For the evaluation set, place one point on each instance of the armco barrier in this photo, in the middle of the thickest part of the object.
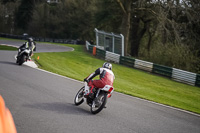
(112, 57)
(100, 53)
(176, 74)
(184, 76)
(198, 80)
(162, 70)
(143, 65)
(90, 48)
(127, 61)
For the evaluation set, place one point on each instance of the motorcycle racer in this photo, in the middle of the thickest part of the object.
(30, 44)
(106, 78)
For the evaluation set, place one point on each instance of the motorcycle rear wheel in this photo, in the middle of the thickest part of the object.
(99, 103)
(79, 99)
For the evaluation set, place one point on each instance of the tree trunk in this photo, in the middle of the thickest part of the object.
(149, 42)
(136, 35)
(125, 25)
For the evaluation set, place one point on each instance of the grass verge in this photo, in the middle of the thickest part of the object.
(3, 47)
(78, 64)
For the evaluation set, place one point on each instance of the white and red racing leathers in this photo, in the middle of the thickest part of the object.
(106, 78)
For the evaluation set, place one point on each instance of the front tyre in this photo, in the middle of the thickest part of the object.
(17, 60)
(22, 59)
(99, 103)
(79, 99)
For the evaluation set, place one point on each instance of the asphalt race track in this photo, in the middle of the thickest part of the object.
(42, 102)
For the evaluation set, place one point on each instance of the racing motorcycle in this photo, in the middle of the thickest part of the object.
(97, 100)
(23, 55)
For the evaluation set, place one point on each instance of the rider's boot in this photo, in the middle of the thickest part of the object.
(91, 94)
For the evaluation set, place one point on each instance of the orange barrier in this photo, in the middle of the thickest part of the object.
(94, 50)
(7, 124)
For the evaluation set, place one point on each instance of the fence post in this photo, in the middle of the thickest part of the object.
(122, 44)
(97, 36)
(113, 43)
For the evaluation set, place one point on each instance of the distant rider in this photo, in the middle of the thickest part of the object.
(30, 44)
(106, 78)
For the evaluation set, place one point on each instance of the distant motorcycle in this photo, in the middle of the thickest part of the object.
(98, 101)
(23, 55)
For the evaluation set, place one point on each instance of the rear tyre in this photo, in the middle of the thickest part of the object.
(79, 99)
(22, 59)
(99, 103)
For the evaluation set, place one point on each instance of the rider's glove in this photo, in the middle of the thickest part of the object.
(86, 80)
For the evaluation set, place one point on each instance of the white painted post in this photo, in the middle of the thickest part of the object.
(113, 43)
(97, 36)
(122, 44)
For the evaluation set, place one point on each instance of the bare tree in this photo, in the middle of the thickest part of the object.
(126, 20)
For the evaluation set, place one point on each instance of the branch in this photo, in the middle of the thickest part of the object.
(163, 21)
(121, 5)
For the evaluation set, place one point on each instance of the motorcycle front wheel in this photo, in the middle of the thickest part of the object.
(22, 59)
(79, 99)
(99, 103)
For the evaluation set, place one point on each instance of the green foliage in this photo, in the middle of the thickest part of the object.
(7, 1)
(177, 56)
(7, 9)
(107, 17)
(67, 19)
(168, 36)
(24, 14)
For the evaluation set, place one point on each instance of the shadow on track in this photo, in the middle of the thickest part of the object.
(61, 108)
(9, 63)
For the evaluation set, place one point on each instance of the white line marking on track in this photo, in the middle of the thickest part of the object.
(127, 95)
(10, 45)
(167, 106)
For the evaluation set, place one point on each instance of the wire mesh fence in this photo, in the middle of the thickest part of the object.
(110, 42)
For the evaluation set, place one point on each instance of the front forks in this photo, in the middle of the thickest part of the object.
(98, 91)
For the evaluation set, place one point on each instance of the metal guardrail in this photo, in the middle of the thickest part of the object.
(184, 76)
(176, 74)
(162, 70)
(143, 65)
(197, 83)
(127, 61)
(100, 53)
(90, 48)
(112, 57)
